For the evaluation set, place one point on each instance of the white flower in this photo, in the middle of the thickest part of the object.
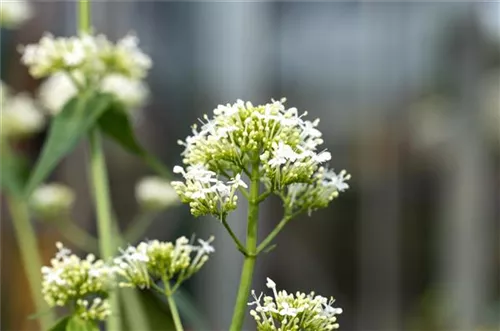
(20, 116)
(70, 279)
(132, 92)
(299, 311)
(155, 193)
(139, 265)
(52, 200)
(94, 55)
(56, 91)
(205, 193)
(14, 13)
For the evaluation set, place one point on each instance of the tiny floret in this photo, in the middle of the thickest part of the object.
(299, 311)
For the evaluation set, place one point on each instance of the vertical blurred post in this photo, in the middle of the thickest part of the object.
(466, 237)
(232, 59)
(378, 172)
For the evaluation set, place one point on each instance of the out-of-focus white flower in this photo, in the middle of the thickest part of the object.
(55, 92)
(132, 92)
(155, 193)
(153, 260)
(20, 116)
(15, 12)
(59, 88)
(71, 280)
(52, 200)
(93, 55)
(299, 311)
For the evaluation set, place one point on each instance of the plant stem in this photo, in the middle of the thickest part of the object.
(172, 305)
(84, 15)
(237, 242)
(104, 217)
(26, 238)
(249, 262)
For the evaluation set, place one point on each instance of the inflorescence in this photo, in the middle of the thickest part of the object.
(299, 311)
(279, 141)
(142, 265)
(88, 62)
(83, 283)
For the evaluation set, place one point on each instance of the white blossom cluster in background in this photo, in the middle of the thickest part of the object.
(288, 311)
(239, 136)
(155, 193)
(88, 62)
(20, 114)
(14, 13)
(140, 265)
(52, 200)
(82, 283)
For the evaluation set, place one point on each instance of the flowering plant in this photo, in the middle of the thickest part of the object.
(244, 151)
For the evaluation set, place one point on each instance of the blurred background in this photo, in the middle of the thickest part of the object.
(409, 99)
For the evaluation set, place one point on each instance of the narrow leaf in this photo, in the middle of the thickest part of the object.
(77, 117)
(116, 124)
(13, 174)
(61, 325)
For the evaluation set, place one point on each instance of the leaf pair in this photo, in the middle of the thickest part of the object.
(81, 114)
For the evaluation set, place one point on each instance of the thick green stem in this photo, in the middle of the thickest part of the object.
(84, 16)
(104, 216)
(173, 307)
(26, 238)
(240, 308)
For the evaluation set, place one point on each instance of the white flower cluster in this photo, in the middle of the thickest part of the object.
(14, 13)
(52, 200)
(59, 88)
(88, 61)
(286, 311)
(20, 115)
(325, 187)
(82, 283)
(206, 194)
(140, 265)
(278, 140)
(155, 194)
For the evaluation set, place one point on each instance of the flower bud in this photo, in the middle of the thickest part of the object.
(155, 194)
(52, 201)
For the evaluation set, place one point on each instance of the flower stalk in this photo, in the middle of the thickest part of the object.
(251, 250)
(171, 304)
(26, 239)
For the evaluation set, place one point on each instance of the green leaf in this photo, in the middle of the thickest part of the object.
(78, 324)
(61, 325)
(77, 117)
(116, 124)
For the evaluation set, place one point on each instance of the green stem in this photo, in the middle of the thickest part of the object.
(171, 304)
(237, 242)
(240, 308)
(84, 16)
(104, 217)
(284, 221)
(26, 238)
